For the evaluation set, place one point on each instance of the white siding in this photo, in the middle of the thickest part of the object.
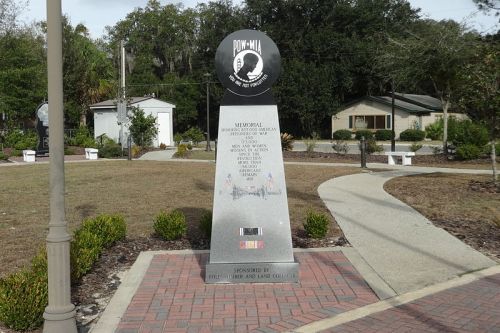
(105, 122)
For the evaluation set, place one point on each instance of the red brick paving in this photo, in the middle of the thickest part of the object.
(174, 298)
(474, 307)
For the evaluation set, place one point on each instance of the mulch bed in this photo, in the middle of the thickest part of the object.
(419, 160)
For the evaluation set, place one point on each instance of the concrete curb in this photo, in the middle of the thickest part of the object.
(395, 301)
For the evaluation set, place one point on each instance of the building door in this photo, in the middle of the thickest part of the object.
(164, 135)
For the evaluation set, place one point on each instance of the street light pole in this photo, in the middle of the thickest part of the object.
(59, 314)
(207, 75)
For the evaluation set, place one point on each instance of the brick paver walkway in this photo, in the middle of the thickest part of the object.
(474, 307)
(174, 298)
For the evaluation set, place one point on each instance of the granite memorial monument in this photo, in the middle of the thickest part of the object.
(251, 237)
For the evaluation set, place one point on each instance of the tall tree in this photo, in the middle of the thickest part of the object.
(88, 73)
(429, 60)
(479, 96)
(9, 12)
(22, 74)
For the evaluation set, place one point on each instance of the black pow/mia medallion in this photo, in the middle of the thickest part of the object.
(247, 63)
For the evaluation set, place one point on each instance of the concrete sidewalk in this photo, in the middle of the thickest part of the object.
(401, 245)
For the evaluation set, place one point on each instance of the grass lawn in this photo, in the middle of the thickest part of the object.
(138, 190)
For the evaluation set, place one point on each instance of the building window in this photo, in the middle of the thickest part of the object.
(368, 122)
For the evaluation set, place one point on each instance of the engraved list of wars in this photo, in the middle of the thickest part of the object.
(251, 238)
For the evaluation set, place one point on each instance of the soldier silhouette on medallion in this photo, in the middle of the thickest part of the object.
(250, 61)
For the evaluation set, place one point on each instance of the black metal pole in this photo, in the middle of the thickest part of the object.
(362, 145)
(393, 136)
(207, 75)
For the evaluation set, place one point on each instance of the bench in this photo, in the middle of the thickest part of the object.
(29, 155)
(405, 157)
(91, 153)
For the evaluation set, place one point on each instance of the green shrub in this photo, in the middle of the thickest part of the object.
(414, 147)
(3, 156)
(366, 133)
(466, 132)
(468, 152)
(83, 138)
(142, 128)
(412, 135)
(189, 146)
(181, 151)
(372, 146)
(170, 226)
(342, 134)
(177, 138)
(206, 224)
(24, 296)
(383, 134)
(434, 131)
(110, 228)
(316, 225)
(194, 134)
(310, 144)
(110, 150)
(16, 153)
(90, 240)
(286, 142)
(86, 248)
(21, 140)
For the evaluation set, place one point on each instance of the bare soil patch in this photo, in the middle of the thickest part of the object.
(467, 206)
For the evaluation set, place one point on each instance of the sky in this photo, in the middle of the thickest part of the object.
(97, 14)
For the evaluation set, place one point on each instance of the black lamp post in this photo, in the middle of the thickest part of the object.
(207, 75)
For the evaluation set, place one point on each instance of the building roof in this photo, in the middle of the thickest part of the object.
(111, 103)
(406, 102)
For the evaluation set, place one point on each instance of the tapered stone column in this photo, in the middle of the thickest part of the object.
(59, 315)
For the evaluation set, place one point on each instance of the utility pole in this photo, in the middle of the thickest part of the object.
(59, 314)
(122, 104)
(207, 75)
(393, 136)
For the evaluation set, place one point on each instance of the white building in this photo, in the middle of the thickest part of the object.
(375, 112)
(106, 120)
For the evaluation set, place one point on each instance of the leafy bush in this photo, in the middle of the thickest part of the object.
(24, 296)
(194, 134)
(86, 247)
(15, 152)
(286, 142)
(206, 224)
(110, 228)
(412, 135)
(135, 151)
(434, 131)
(181, 151)
(383, 134)
(142, 128)
(3, 156)
(436, 150)
(83, 138)
(372, 146)
(310, 144)
(468, 151)
(414, 147)
(110, 150)
(177, 138)
(170, 226)
(189, 146)
(342, 134)
(316, 225)
(21, 140)
(92, 238)
(340, 147)
(366, 133)
(466, 132)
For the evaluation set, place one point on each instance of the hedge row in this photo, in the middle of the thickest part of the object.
(24, 294)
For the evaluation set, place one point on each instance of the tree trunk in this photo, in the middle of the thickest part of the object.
(494, 161)
(83, 119)
(446, 105)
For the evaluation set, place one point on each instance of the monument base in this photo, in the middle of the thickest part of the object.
(259, 272)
